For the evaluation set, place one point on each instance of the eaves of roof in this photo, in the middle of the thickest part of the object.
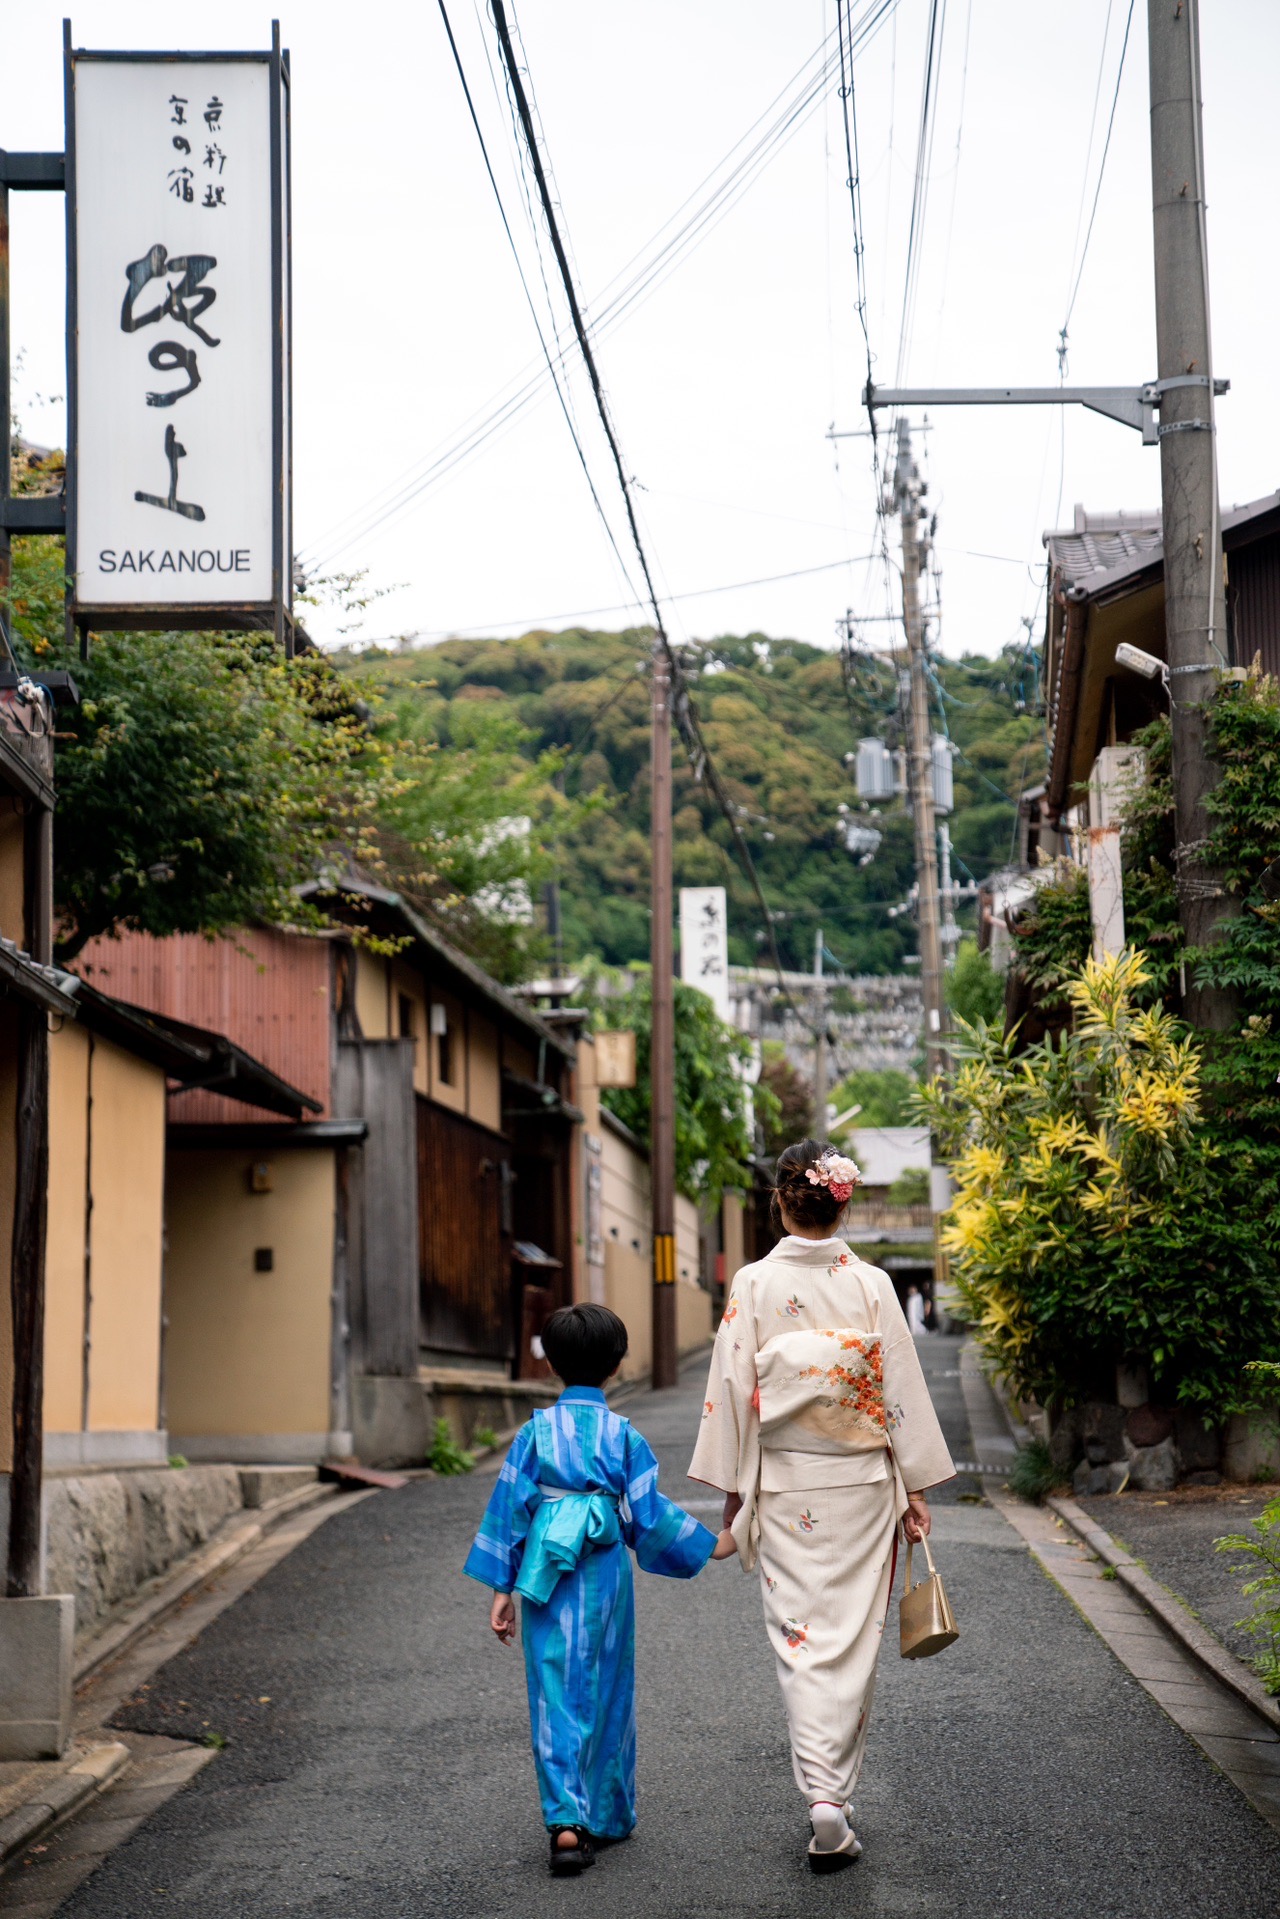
(1075, 557)
(397, 908)
(188, 1054)
(44, 986)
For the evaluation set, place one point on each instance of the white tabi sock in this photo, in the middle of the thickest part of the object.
(830, 1826)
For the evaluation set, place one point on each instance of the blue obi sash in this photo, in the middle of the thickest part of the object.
(566, 1526)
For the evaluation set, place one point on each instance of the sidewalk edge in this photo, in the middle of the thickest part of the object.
(61, 1796)
(220, 1552)
(1174, 1617)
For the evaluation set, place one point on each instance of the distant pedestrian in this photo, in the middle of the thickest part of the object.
(916, 1324)
(556, 1531)
(819, 1430)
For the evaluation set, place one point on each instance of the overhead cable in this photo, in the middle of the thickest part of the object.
(807, 91)
(683, 710)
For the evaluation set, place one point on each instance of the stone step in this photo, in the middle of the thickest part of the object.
(263, 1485)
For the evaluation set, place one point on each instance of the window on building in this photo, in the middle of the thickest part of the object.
(444, 1044)
(408, 1024)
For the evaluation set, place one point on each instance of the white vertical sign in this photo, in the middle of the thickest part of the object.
(704, 944)
(179, 358)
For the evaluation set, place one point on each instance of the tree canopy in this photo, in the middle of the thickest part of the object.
(779, 717)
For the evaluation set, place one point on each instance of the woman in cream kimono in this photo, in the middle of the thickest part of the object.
(818, 1428)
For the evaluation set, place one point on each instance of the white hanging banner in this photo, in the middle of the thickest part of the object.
(177, 198)
(704, 944)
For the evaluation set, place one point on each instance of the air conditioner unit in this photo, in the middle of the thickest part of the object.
(944, 798)
(874, 771)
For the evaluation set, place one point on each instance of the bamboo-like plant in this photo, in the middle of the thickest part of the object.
(1096, 1219)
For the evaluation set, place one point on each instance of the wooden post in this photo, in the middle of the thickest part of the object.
(662, 1056)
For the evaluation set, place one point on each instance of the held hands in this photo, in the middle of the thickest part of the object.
(502, 1617)
(917, 1521)
(726, 1545)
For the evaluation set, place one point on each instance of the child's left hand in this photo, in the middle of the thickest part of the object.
(726, 1546)
(502, 1617)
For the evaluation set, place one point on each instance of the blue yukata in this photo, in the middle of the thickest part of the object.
(578, 1487)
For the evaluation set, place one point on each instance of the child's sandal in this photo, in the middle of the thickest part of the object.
(568, 1861)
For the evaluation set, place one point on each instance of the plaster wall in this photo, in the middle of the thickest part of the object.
(249, 1352)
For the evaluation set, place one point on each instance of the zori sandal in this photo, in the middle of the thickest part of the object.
(568, 1861)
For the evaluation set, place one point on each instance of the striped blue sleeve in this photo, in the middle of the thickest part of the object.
(495, 1555)
(666, 1539)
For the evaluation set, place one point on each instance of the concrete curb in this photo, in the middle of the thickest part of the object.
(66, 1788)
(1173, 1616)
(234, 1540)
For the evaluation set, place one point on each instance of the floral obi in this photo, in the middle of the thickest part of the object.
(822, 1392)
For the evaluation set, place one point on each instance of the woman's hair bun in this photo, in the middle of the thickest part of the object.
(807, 1204)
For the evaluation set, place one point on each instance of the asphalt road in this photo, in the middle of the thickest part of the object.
(377, 1764)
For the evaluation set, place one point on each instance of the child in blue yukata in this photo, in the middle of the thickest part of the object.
(578, 1487)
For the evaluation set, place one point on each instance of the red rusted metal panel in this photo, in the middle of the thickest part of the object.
(268, 991)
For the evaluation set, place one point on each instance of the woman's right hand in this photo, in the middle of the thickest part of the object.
(732, 1507)
(917, 1521)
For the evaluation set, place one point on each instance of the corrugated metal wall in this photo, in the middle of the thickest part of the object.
(269, 992)
(1253, 575)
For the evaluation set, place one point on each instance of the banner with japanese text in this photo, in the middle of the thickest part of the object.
(177, 198)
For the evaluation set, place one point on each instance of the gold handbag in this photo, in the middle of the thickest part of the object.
(925, 1620)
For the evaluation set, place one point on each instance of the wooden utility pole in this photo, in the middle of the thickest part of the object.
(662, 1045)
(819, 1043)
(1194, 601)
(907, 490)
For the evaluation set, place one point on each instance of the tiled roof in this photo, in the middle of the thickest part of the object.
(1104, 549)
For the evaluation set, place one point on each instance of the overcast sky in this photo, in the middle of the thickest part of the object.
(410, 324)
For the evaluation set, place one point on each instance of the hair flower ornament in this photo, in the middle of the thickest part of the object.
(837, 1174)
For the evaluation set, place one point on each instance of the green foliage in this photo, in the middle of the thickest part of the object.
(485, 1438)
(1261, 1549)
(446, 1456)
(203, 777)
(884, 1094)
(910, 1188)
(783, 1100)
(712, 1139)
(1055, 935)
(473, 829)
(1034, 1475)
(1098, 1218)
(778, 718)
(975, 991)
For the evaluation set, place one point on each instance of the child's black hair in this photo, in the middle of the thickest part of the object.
(584, 1343)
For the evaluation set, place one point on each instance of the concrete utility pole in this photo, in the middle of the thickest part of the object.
(907, 490)
(1194, 601)
(819, 1043)
(662, 1044)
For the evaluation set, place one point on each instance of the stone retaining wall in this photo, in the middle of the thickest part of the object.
(109, 1533)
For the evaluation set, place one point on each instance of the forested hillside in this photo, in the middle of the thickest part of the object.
(778, 716)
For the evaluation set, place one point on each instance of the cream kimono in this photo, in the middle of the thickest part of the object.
(817, 1415)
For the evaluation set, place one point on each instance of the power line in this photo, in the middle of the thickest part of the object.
(724, 196)
(683, 710)
(528, 620)
(506, 224)
(1102, 169)
(920, 185)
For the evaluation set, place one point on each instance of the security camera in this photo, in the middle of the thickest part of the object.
(1137, 661)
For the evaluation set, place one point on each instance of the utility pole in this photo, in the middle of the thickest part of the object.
(1194, 601)
(662, 1044)
(907, 490)
(819, 1043)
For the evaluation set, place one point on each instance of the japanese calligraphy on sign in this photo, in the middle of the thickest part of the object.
(176, 172)
(704, 944)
